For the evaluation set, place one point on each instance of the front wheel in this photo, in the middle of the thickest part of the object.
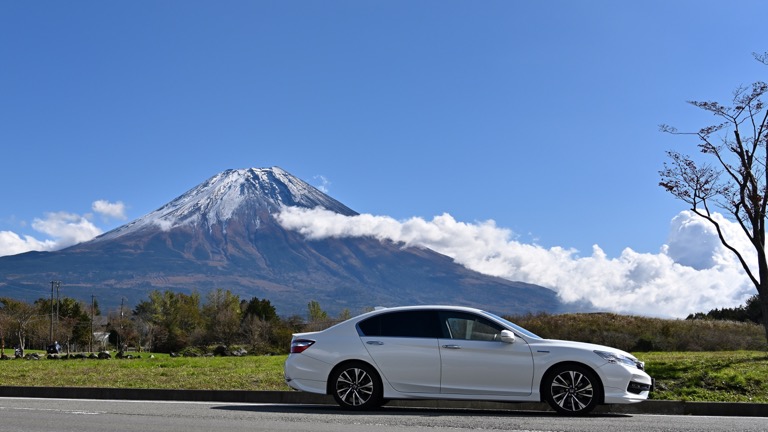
(572, 390)
(356, 386)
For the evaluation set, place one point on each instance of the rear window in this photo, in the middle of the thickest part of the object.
(416, 324)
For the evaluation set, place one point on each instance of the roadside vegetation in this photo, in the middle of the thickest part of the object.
(643, 334)
(691, 360)
(149, 370)
(177, 341)
(166, 322)
(721, 376)
(172, 322)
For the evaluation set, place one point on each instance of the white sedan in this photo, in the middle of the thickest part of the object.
(446, 352)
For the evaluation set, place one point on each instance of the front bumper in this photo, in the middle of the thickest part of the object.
(624, 384)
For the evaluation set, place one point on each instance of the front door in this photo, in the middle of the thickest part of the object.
(474, 360)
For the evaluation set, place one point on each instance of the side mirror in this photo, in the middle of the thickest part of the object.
(507, 336)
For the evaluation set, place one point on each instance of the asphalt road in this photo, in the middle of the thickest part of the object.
(70, 415)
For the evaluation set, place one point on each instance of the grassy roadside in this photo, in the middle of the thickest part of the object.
(720, 376)
(727, 376)
(160, 372)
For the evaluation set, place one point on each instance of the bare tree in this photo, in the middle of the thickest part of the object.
(20, 315)
(5, 324)
(733, 178)
(256, 333)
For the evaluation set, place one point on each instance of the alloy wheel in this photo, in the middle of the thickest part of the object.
(354, 387)
(572, 392)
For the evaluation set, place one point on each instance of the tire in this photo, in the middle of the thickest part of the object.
(356, 386)
(572, 389)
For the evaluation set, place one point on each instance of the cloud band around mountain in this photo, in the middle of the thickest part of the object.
(691, 273)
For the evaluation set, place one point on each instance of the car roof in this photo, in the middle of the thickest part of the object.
(429, 307)
(379, 310)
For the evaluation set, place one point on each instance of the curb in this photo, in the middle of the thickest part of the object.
(739, 409)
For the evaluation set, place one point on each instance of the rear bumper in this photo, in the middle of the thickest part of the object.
(302, 373)
(306, 385)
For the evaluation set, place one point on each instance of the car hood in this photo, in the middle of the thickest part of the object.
(554, 343)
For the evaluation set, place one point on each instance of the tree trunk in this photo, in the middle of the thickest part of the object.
(764, 308)
(21, 340)
(762, 283)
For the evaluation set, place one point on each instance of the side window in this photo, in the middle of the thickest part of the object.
(466, 326)
(416, 324)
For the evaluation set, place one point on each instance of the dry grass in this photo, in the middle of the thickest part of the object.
(634, 333)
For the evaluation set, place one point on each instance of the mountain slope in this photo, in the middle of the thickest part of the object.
(223, 234)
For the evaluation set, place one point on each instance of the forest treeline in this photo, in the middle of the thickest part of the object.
(165, 322)
(749, 312)
(170, 321)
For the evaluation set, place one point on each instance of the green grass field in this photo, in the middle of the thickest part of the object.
(727, 376)
(722, 376)
(161, 372)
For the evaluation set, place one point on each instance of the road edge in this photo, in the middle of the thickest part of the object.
(740, 409)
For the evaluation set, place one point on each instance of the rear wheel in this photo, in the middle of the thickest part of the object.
(572, 389)
(356, 386)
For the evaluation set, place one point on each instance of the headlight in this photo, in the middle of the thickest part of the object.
(620, 358)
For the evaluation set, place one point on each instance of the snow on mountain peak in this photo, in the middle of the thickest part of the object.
(215, 200)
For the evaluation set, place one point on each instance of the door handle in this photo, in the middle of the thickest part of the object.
(452, 346)
(375, 343)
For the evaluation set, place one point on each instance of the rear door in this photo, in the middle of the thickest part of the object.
(404, 346)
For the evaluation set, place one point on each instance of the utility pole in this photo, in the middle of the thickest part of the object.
(58, 284)
(120, 334)
(54, 285)
(50, 332)
(90, 337)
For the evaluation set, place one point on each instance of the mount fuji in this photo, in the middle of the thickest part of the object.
(224, 234)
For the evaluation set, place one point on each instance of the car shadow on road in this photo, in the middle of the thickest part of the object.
(398, 411)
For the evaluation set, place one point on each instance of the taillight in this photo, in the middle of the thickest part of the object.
(299, 345)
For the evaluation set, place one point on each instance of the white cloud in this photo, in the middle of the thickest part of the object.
(112, 210)
(693, 241)
(63, 229)
(12, 244)
(324, 183)
(692, 273)
(66, 228)
(163, 224)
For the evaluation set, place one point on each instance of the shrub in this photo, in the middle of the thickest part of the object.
(192, 352)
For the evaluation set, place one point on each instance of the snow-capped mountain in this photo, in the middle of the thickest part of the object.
(215, 201)
(223, 234)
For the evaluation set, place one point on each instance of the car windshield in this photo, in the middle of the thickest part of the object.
(515, 327)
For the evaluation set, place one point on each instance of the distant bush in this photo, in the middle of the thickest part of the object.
(642, 334)
(192, 352)
(749, 312)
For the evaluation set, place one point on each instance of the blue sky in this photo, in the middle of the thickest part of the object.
(539, 115)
